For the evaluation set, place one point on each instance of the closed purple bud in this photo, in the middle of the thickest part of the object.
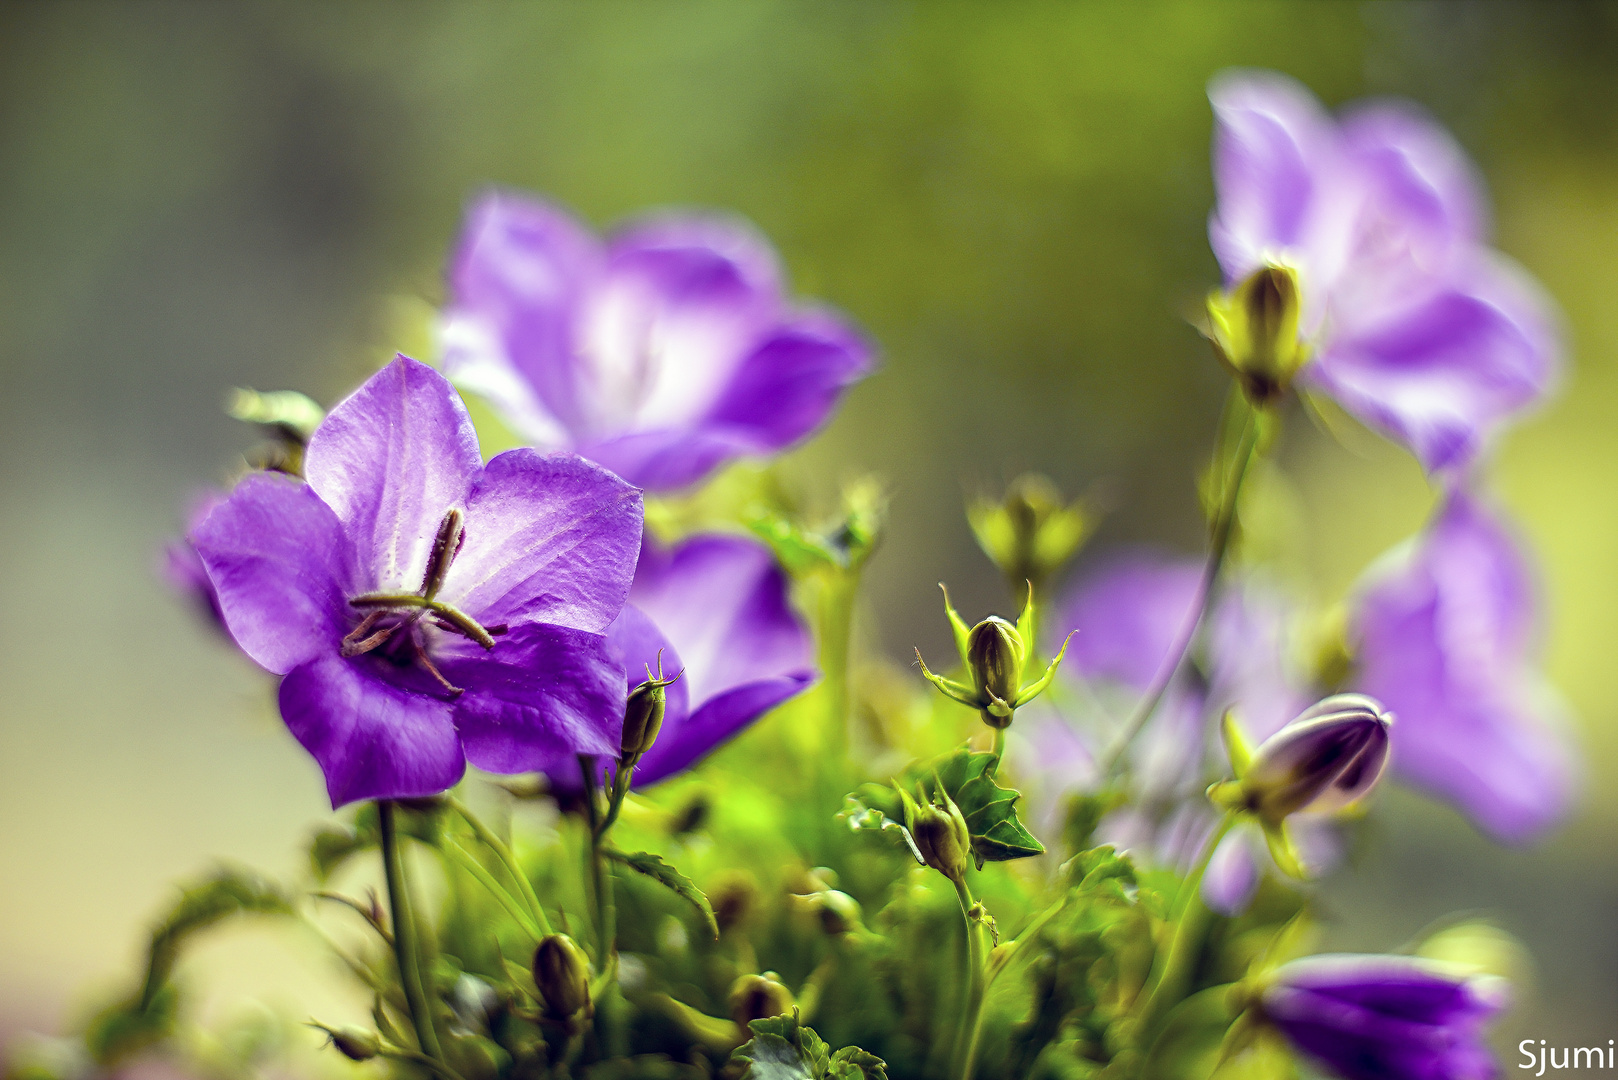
(1327, 759)
(1385, 1017)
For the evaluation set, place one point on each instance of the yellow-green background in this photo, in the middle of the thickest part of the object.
(1011, 199)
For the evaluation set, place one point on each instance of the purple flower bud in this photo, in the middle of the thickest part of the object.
(1327, 759)
(1385, 1017)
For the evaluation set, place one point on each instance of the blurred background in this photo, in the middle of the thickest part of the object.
(1011, 199)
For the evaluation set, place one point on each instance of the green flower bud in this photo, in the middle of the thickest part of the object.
(996, 654)
(733, 894)
(643, 714)
(562, 975)
(939, 833)
(1029, 534)
(356, 1043)
(1254, 329)
(758, 997)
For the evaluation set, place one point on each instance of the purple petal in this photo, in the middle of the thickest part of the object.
(790, 382)
(1442, 375)
(1251, 657)
(1232, 876)
(372, 738)
(714, 724)
(549, 538)
(390, 460)
(1444, 640)
(540, 697)
(670, 458)
(1422, 176)
(1126, 616)
(1279, 169)
(520, 275)
(1327, 759)
(281, 567)
(722, 602)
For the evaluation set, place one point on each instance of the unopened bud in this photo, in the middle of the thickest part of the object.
(732, 895)
(643, 714)
(940, 834)
(839, 913)
(1254, 328)
(562, 976)
(355, 1043)
(758, 997)
(1030, 534)
(996, 653)
(1327, 759)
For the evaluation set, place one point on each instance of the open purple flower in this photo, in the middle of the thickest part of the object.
(428, 610)
(183, 568)
(1385, 1017)
(1406, 317)
(716, 608)
(1444, 632)
(661, 354)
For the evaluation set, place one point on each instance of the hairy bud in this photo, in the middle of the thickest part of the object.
(758, 997)
(562, 976)
(1254, 328)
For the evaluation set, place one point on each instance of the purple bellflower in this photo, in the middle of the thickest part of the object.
(183, 568)
(660, 354)
(1402, 312)
(427, 610)
(1444, 631)
(1385, 1017)
(715, 609)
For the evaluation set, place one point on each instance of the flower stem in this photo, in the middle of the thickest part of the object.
(406, 950)
(969, 1028)
(1173, 967)
(1223, 526)
(536, 910)
(600, 880)
(837, 593)
(461, 857)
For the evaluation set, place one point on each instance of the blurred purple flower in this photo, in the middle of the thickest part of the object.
(716, 607)
(1444, 630)
(1128, 615)
(660, 354)
(409, 644)
(183, 568)
(1416, 326)
(1385, 1017)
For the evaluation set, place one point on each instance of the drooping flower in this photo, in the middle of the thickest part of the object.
(1445, 637)
(660, 354)
(1373, 230)
(428, 610)
(715, 609)
(1385, 1017)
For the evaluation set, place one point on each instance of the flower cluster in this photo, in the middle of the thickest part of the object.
(1183, 735)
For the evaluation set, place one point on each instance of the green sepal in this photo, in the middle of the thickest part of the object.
(950, 688)
(1034, 689)
(957, 626)
(782, 1048)
(1282, 850)
(1027, 621)
(1237, 746)
(989, 809)
(653, 866)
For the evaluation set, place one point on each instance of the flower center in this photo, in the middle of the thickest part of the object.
(393, 618)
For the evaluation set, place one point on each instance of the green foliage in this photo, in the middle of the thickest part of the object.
(653, 866)
(784, 1049)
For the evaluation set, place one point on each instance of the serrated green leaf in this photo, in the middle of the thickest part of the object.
(653, 866)
(228, 892)
(874, 808)
(782, 1048)
(852, 1063)
(989, 809)
(770, 1057)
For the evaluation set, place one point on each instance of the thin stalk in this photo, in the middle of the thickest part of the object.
(437, 1068)
(1224, 524)
(999, 745)
(969, 1028)
(465, 861)
(621, 779)
(600, 880)
(405, 947)
(536, 910)
(837, 593)
(1170, 974)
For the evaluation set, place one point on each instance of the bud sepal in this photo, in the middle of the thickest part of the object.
(995, 652)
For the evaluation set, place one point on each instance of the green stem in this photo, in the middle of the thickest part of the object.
(437, 1068)
(999, 745)
(489, 840)
(465, 861)
(405, 947)
(621, 779)
(1169, 975)
(838, 590)
(1224, 525)
(970, 1028)
(601, 881)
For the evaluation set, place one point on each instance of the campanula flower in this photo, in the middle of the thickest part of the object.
(1385, 1017)
(1369, 237)
(714, 609)
(428, 610)
(1444, 628)
(662, 353)
(183, 568)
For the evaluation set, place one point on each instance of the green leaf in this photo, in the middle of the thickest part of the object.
(653, 866)
(228, 892)
(875, 808)
(989, 809)
(782, 1048)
